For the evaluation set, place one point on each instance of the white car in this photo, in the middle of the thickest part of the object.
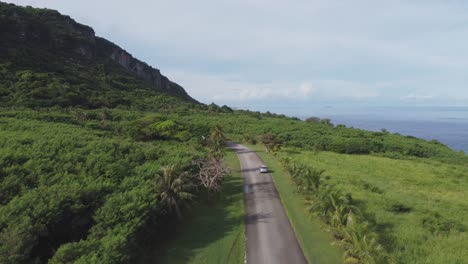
(263, 169)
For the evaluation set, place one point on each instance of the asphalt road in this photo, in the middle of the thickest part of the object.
(269, 235)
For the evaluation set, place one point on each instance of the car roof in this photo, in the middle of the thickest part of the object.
(263, 166)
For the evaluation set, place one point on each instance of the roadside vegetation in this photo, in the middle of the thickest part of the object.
(108, 173)
(256, 127)
(81, 187)
(377, 209)
(213, 232)
(315, 243)
(338, 212)
(415, 209)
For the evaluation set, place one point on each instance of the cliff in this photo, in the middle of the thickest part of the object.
(45, 40)
(151, 75)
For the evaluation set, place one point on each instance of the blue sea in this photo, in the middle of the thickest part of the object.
(448, 125)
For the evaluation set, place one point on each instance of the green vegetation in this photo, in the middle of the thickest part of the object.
(94, 161)
(174, 189)
(292, 132)
(30, 87)
(338, 211)
(99, 157)
(91, 186)
(75, 193)
(47, 59)
(314, 242)
(214, 232)
(415, 207)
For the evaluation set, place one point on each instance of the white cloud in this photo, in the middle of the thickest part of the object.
(416, 97)
(227, 89)
(302, 50)
(306, 89)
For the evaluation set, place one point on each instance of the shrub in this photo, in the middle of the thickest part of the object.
(338, 212)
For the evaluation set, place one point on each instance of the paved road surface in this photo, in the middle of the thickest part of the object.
(270, 237)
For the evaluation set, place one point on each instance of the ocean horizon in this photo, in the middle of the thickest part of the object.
(447, 124)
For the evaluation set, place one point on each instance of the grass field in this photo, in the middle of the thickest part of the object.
(215, 232)
(315, 243)
(418, 207)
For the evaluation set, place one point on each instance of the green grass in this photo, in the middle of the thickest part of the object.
(418, 207)
(215, 233)
(315, 243)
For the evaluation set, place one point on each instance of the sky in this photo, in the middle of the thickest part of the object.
(277, 54)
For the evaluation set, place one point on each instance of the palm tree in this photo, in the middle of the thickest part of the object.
(342, 215)
(360, 243)
(297, 173)
(330, 203)
(173, 189)
(286, 163)
(216, 141)
(217, 136)
(312, 179)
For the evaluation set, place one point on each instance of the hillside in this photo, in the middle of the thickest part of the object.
(48, 59)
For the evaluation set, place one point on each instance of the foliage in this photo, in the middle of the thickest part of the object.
(174, 189)
(315, 243)
(101, 150)
(78, 163)
(412, 205)
(79, 193)
(312, 119)
(245, 125)
(216, 142)
(47, 59)
(167, 129)
(251, 139)
(271, 142)
(338, 212)
(359, 243)
(214, 231)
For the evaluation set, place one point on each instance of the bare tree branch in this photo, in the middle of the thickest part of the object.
(211, 173)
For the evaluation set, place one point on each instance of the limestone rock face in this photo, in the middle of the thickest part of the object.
(138, 68)
(52, 32)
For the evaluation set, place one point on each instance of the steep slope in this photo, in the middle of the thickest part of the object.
(49, 59)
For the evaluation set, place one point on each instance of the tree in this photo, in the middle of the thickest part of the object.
(271, 142)
(173, 189)
(251, 139)
(214, 108)
(226, 109)
(211, 173)
(328, 200)
(164, 130)
(360, 243)
(313, 119)
(217, 136)
(312, 179)
(216, 141)
(327, 122)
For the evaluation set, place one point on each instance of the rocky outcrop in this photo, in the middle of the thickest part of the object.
(50, 31)
(138, 68)
(47, 30)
